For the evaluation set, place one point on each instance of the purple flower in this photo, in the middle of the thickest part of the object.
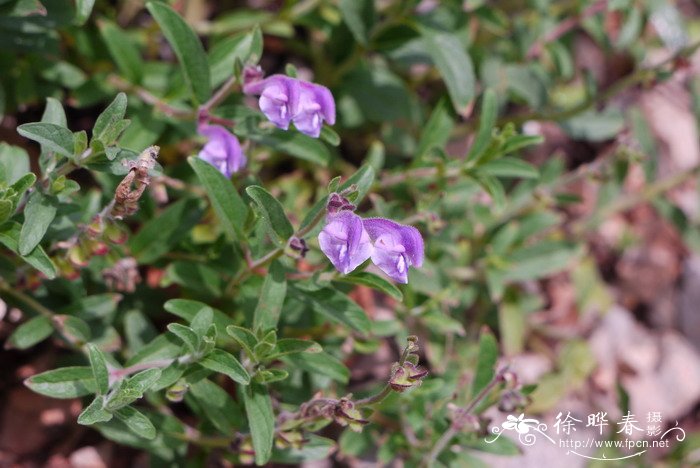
(345, 241)
(223, 151)
(284, 99)
(315, 104)
(396, 247)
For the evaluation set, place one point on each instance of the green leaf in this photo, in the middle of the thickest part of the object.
(315, 448)
(320, 363)
(64, 382)
(373, 281)
(266, 376)
(486, 361)
(122, 50)
(487, 120)
(595, 126)
(144, 380)
(334, 305)
(261, 419)
(244, 337)
(14, 163)
(109, 119)
(493, 187)
(30, 333)
(216, 405)
(239, 48)
(295, 144)
(540, 260)
(159, 235)
(9, 237)
(94, 413)
(51, 137)
(202, 320)
(137, 422)
(272, 212)
(186, 334)
(330, 136)
(83, 10)
(272, 294)
(227, 204)
(54, 113)
(99, 369)
(23, 184)
(509, 167)
(187, 310)
(437, 130)
(164, 346)
(359, 16)
(454, 64)
(287, 346)
(187, 47)
(74, 328)
(38, 215)
(518, 142)
(225, 363)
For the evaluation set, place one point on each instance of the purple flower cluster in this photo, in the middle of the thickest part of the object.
(284, 99)
(348, 240)
(223, 151)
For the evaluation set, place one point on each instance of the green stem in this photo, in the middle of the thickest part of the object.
(639, 76)
(379, 397)
(458, 422)
(27, 300)
(272, 255)
(220, 95)
(149, 98)
(8, 291)
(650, 192)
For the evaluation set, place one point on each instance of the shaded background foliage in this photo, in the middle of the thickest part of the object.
(548, 152)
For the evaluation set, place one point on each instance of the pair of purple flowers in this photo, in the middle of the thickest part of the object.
(348, 240)
(283, 100)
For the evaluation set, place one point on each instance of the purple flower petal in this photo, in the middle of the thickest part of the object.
(344, 241)
(396, 247)
(278, 96)
(284, 99)
(223, 150)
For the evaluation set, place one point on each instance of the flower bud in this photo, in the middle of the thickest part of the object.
(95, 228)
(338, 203)
(100, 248)
(290, 440)
(246, 453)
(115, 233)
(78, 256)
(298, 246)
(176, 393)
(407, 376)
(347, 415)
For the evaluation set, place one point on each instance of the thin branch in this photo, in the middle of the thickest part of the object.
(149, 98)
(458, 422)
(564, 27)
(220, 95)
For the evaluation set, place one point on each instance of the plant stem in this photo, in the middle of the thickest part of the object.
(272, 255)
(149, 98)
(379, 397)
(8, 291)
(220, 95)
(458, 422)
(160, 363)
(650, 192)
(636, 77)
(27, 300)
